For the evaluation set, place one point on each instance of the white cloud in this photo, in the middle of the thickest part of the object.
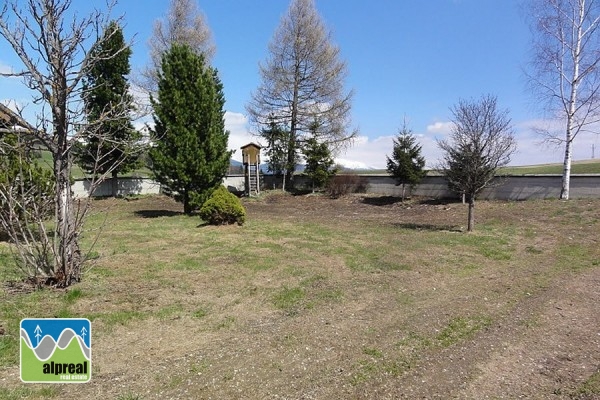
(236, 124)
(442, 128)
(533, 149)
(366, 152)
(371, 152)
(5, 69)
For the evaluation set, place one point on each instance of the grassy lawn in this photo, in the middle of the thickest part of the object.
(327, 299)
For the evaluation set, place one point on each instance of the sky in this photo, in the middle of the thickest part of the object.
(408, 61)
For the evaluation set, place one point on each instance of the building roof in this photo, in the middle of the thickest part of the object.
(251, 144)
(11, 120)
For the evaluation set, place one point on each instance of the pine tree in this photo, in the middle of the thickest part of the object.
(110, 146)
(190, 154)
(406, 164)
(319, 162)
(277, 143)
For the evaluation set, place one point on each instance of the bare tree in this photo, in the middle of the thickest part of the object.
(50, 42)
(565, 69)
(184, 24)
(481, 141)
(303, 84)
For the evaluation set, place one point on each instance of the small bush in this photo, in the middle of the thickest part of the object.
(341, 185)
(223, 208)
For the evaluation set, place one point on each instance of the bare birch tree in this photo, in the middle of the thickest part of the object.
(50, 42)
(303, 84)
(565, 69)
(184, 24)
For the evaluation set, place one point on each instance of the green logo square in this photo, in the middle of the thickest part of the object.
(56, 350)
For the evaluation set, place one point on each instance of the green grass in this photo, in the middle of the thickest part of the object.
(591, 386)
(24, 392)
(45, 161)
(288, 298)
(129, 396)
(300, 286)
(460, 328)
(581, 167)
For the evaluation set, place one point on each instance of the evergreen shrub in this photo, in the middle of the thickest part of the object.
(223, 208)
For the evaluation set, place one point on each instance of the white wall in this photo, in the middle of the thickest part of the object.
(127, 186)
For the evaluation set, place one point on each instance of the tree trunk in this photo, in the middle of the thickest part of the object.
(471, 223)
(403, 191)
(115, 184)
(187, 208)
(566, 178)
(67, 255)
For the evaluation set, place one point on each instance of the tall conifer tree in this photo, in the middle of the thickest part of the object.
(190, 153)
(110, 145)
(406, 164)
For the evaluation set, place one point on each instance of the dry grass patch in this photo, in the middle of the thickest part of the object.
(357, 297)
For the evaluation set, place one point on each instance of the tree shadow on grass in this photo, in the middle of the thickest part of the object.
(438, 202)
(382, 200)
(426, 227)
(157, 213)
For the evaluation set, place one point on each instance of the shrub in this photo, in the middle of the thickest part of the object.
(341, 185)
(223, 208)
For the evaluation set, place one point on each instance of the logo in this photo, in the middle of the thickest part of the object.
(56, 350)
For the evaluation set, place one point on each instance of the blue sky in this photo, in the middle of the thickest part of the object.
(407, 59)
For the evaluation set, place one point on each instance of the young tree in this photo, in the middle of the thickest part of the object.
(111, 146)
(185, 24)
(190, 153)
(50, 42)
(319, 162)
(303, 81)
(481, 142)
(277, 141)
(566, 69)
(406, 164)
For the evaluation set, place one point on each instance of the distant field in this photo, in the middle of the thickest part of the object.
(578, 167)
(45, 160)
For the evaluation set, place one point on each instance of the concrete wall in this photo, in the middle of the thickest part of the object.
(235, 183)
(510, 188)
(126, 187)
(516, 187)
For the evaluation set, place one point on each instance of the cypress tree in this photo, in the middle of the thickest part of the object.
(189, 155)
(109, 143)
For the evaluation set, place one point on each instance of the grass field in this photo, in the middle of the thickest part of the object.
(359, 297)
(578, 167)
